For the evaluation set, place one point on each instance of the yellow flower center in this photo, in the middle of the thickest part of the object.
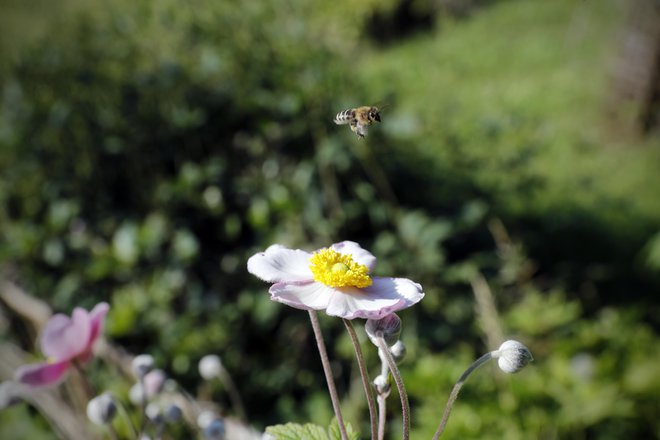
(338, 270)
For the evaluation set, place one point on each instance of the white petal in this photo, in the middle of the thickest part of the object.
(278, 263)
(352, 304)
(384, 296)
(306, 296)
(408, 290)
(359, 255)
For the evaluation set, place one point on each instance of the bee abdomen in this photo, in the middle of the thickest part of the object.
(345, 117)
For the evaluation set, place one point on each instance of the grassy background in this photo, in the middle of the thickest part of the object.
(149, 148)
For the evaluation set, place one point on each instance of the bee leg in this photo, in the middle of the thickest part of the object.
(360, 130)
(357, 128)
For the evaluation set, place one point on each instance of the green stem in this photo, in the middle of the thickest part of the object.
(127, 417)
(325, 361)
(234, 395)
(382, 415)
(112, 433)
(457, 388)
(89, 391)
(143, 406)
(405, 405)
(368, 390)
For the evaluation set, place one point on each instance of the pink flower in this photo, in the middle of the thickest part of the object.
(65, 341)
(334, 279)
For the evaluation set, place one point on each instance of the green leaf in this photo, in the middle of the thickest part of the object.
(333, 431)
(294, 431)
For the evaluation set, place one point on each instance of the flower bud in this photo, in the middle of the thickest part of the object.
(205, 418)
(512, 356)
(102, 409)
(389, 327)
(173, 413)
(142, 364)
(136, 394)
(11, 393)
(398, 351)
(215, 430)
(153, 382)
(382, 384)
(153, 413)
(210, 366)
(170, 386)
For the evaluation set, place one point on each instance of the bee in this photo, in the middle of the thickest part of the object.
(359, 118)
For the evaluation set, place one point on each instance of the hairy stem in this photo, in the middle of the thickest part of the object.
(457, 388)
(382, 415)
(364, 376)
(405, 405)
(328, 372)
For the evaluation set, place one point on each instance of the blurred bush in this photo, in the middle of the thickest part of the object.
(150, 149)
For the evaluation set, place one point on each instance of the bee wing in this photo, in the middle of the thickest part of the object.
(359, 129)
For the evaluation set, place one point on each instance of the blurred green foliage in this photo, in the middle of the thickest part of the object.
(150, 148)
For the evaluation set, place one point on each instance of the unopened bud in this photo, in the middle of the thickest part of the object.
(215, 430)
(11, 393)
(153, 382)
(388, 327)
(382, 384)
(512, 356)
(170, 386)
(210, 366)
(136, 394)
(205, 418)
(173, 413)
(154, 413)
(142, 364)
(398, 351)
(102, 409)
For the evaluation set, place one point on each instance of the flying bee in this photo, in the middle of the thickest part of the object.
(359, 118)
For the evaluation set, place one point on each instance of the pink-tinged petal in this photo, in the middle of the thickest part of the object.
(305, 296)
(359, 255)
(277, 264)
(384, 296)
(97, 315)
(64, 337)
(41, 375)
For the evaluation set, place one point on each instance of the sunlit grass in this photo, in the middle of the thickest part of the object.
(524, 79)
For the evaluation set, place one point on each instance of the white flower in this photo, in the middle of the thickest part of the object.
(335, 279)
